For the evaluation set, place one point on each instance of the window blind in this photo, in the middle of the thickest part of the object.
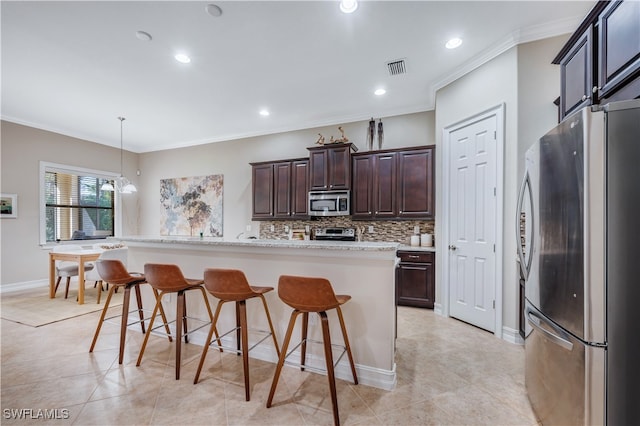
(76, 208)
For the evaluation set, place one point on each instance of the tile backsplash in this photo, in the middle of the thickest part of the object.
(391, 231)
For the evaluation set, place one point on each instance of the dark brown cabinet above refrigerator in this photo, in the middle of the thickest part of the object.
(601, 61)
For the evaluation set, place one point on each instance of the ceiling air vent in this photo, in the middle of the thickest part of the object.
(397, 67)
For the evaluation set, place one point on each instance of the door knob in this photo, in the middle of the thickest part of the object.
(452, 247)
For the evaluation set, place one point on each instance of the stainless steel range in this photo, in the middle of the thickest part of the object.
(335, 234)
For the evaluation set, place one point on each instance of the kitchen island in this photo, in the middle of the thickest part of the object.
(364, 270)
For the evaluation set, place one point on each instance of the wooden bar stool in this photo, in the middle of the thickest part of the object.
(166, 279)
(306, 295)
(230, 285)
(113, 271)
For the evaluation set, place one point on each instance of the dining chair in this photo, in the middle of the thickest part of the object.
(67, 269)
(118, 253)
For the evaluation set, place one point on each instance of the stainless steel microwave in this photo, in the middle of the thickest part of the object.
(329, 203)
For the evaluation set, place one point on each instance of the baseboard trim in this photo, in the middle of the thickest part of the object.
(437, 308)
(512, 336)
(25, 285)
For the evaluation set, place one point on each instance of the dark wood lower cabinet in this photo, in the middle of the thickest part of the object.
(415, 279)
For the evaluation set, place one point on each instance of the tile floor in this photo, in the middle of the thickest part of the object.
(448, 373)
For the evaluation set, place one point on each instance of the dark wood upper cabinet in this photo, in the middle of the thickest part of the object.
(362, 192)
(384, 185)
(318, 168)
(416, 177)
(618, 46)
(374, 186)
(600, 62)
(330, 167)
(280, 189)
(393, 184)
(299, 188)
(262, 191)
(576, 74)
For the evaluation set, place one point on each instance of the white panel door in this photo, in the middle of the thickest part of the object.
(472, 223)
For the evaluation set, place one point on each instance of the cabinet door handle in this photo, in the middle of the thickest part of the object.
(595, 89)
(585, 97)
(413, 256)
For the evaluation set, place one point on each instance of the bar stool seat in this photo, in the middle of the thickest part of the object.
(167, 279)
(231, 285)
(113, 271)
(305, 295)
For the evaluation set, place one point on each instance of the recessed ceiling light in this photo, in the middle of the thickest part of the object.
(348, 6)
(380, 92)
(143, 35)
(453, 43)
(264, 112)
(213, 10)
(182, 58)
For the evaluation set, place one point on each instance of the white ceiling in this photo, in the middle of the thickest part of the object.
(74, 67)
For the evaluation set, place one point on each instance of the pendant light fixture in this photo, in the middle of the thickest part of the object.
(122, 184)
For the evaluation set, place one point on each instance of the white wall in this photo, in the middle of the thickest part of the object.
(525, 81)
(538, 86)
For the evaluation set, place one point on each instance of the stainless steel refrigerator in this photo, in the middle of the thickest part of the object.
(579, 209)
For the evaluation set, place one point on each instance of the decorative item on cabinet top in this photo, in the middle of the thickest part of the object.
(342, 139)
(371, 133)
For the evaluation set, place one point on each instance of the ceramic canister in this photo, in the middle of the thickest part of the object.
(426, 240)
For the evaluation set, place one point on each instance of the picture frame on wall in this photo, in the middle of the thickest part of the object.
(8, 206)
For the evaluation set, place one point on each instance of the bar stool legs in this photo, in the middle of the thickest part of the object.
(328, 354)
(231, 285)
(113, 271)
(124, 317)
(305, 295)
(181, 323)
(168, 278)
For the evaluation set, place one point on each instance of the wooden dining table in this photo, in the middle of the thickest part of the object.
(80, 256)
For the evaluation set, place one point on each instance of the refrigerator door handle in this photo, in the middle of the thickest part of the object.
(525, 264)
(560, 339)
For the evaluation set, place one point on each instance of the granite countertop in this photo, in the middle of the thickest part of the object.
(406, 247)
(303, 244)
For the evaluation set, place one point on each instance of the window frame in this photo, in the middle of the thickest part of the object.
(45, 167)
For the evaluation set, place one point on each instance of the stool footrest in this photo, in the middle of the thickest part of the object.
(184, 334)
(213, 343)
(108, 319)
(316, 369)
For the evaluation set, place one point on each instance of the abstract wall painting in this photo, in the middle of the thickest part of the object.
(191, 206)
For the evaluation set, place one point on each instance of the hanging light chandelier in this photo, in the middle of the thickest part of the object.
(121, 183)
